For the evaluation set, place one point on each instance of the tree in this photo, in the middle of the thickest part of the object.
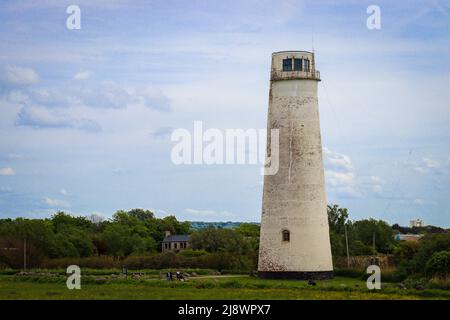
(73, 232)
(141, 214)
(337, 244)
(337, 218)
(358, 248)
(250, 232)
(364, 230)
(406, 250)
(40, 241)
(429, 245)
(129, 233)
(219, 240)
(439, 265)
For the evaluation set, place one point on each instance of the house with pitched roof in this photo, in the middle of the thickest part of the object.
(175, 243)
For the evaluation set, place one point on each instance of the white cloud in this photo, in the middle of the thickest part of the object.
(56, 203)
(370, 184)
(7, 172)
(430, 163)
(337, 160)
(106, 94)
(337, 179)
(348, 192)
(162, 132)
(342, 180)
(210, 214)
(21, 76)
(153, 98)
(63, 192)
(38, 117)
(82, 75)
(51, 97)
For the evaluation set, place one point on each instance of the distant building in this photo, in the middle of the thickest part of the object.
(175, 243)
(408, 237)
(416, 223)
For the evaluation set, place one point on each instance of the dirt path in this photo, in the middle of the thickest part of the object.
(219, 276)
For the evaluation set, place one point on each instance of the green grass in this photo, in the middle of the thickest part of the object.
(209, 287)
(99, 272)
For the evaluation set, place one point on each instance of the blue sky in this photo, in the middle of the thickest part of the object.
(86, 115)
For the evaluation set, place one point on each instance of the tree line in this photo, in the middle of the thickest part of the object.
(134, 238)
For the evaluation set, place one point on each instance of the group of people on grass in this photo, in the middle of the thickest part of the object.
(179, 275)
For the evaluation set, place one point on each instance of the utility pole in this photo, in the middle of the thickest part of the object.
(374, 243)
(346, 244)
(24, 254)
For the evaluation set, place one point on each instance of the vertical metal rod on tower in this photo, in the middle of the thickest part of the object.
(346, 244)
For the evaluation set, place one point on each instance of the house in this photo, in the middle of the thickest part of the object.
(175, 243)
(416, 223)
(408, 237)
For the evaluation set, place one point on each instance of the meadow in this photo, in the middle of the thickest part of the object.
(206, 284)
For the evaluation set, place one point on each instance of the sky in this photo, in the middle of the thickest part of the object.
(86, 115)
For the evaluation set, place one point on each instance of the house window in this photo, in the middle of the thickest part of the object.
(287, 64)
(298, 64)
(306, 65)
(165, 245)
(286, 235)
(175, 245)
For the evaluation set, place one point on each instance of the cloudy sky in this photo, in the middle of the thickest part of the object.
(86, 115)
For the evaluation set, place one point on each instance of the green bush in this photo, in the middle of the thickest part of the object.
(94, 262)
(349, 272)
(439, 265)
(193, 253)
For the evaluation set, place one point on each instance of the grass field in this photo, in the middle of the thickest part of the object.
(203, 287)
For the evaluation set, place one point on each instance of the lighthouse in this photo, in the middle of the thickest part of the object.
(294, 240)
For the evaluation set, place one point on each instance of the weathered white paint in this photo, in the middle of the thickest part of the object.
(294, 199)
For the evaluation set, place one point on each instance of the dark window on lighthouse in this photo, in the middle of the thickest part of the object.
(286, 235)
(287, 64)
(306, 65)
(298, 65)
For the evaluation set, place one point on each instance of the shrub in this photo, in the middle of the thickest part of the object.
(439, 265)
(439, 283)
(193, 253)
(95, 262)
(349, 272)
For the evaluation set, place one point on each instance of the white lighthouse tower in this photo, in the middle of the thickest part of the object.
(294, 241)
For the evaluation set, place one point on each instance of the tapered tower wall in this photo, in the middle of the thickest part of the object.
(294, 241)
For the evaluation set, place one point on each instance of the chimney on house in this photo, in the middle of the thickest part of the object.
(167, 233)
